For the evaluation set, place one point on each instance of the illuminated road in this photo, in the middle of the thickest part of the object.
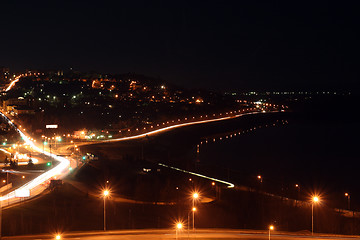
(229, 184)
(37, 185)
(161, 130)
(182, 125)
(12, 83)
(201, 234)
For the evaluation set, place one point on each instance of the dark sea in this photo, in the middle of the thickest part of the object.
(317, 148)
(315, 145)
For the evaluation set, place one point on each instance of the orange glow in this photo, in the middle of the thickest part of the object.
(179, 225)
(106, 193)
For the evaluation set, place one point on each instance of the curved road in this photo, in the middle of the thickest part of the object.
(37, 185)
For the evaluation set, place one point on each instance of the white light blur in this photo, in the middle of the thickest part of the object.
(61, 168)
(230, 185)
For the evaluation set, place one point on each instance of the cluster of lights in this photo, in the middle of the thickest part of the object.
(190, 121)
(60, 169)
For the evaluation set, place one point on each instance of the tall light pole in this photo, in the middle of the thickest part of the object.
(347, 195)
(194, 197)
(297, 186)
(178, 228)
(271, 227)
(105, 194)
(315, 199)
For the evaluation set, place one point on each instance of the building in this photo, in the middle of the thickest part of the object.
(20, 101)
(21, 110)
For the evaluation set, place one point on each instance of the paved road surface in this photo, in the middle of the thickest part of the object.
(203, 234)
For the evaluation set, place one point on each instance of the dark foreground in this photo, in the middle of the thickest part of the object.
(201, 234)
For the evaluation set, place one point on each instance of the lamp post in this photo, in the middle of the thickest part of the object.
(347, 195)
(194, 197)
(105, 194)
(315, 199)
(271, 227)
(297, 186)
(178, 228)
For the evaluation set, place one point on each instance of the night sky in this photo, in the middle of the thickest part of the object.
(225, 45)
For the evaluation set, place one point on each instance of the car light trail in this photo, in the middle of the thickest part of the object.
(178, 126)
(12, 83)
(230, 185)
(60, 169)
(63, 167)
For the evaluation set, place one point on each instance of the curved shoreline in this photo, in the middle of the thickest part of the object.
(165, 129)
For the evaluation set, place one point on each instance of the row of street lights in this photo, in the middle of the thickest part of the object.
(195, 196)
(297, 186)
(314, 200)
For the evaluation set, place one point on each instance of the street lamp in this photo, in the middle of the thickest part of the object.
(315, 199)
(297, 186)
(271, 227)
(58, 237)
(347, 195)
(179, 226)
(105, 194)
(194, 197)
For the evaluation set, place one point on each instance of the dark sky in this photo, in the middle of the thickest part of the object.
(242, 45)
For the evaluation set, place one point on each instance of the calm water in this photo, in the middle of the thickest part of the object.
(317, 148)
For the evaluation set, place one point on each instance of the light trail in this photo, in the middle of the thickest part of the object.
(230, 185)
(59, 170)
(178, 126)
(12, 83)
(62, 168)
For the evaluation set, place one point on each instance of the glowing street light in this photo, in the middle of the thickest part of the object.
(315, 199)
(105, 194)
(179, 226)
(271, 228)
(58, 237)
(347, 195)
(194, 197)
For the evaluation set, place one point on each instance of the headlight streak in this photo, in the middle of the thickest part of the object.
(230, 185)
(178, 126)
(61, 168)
